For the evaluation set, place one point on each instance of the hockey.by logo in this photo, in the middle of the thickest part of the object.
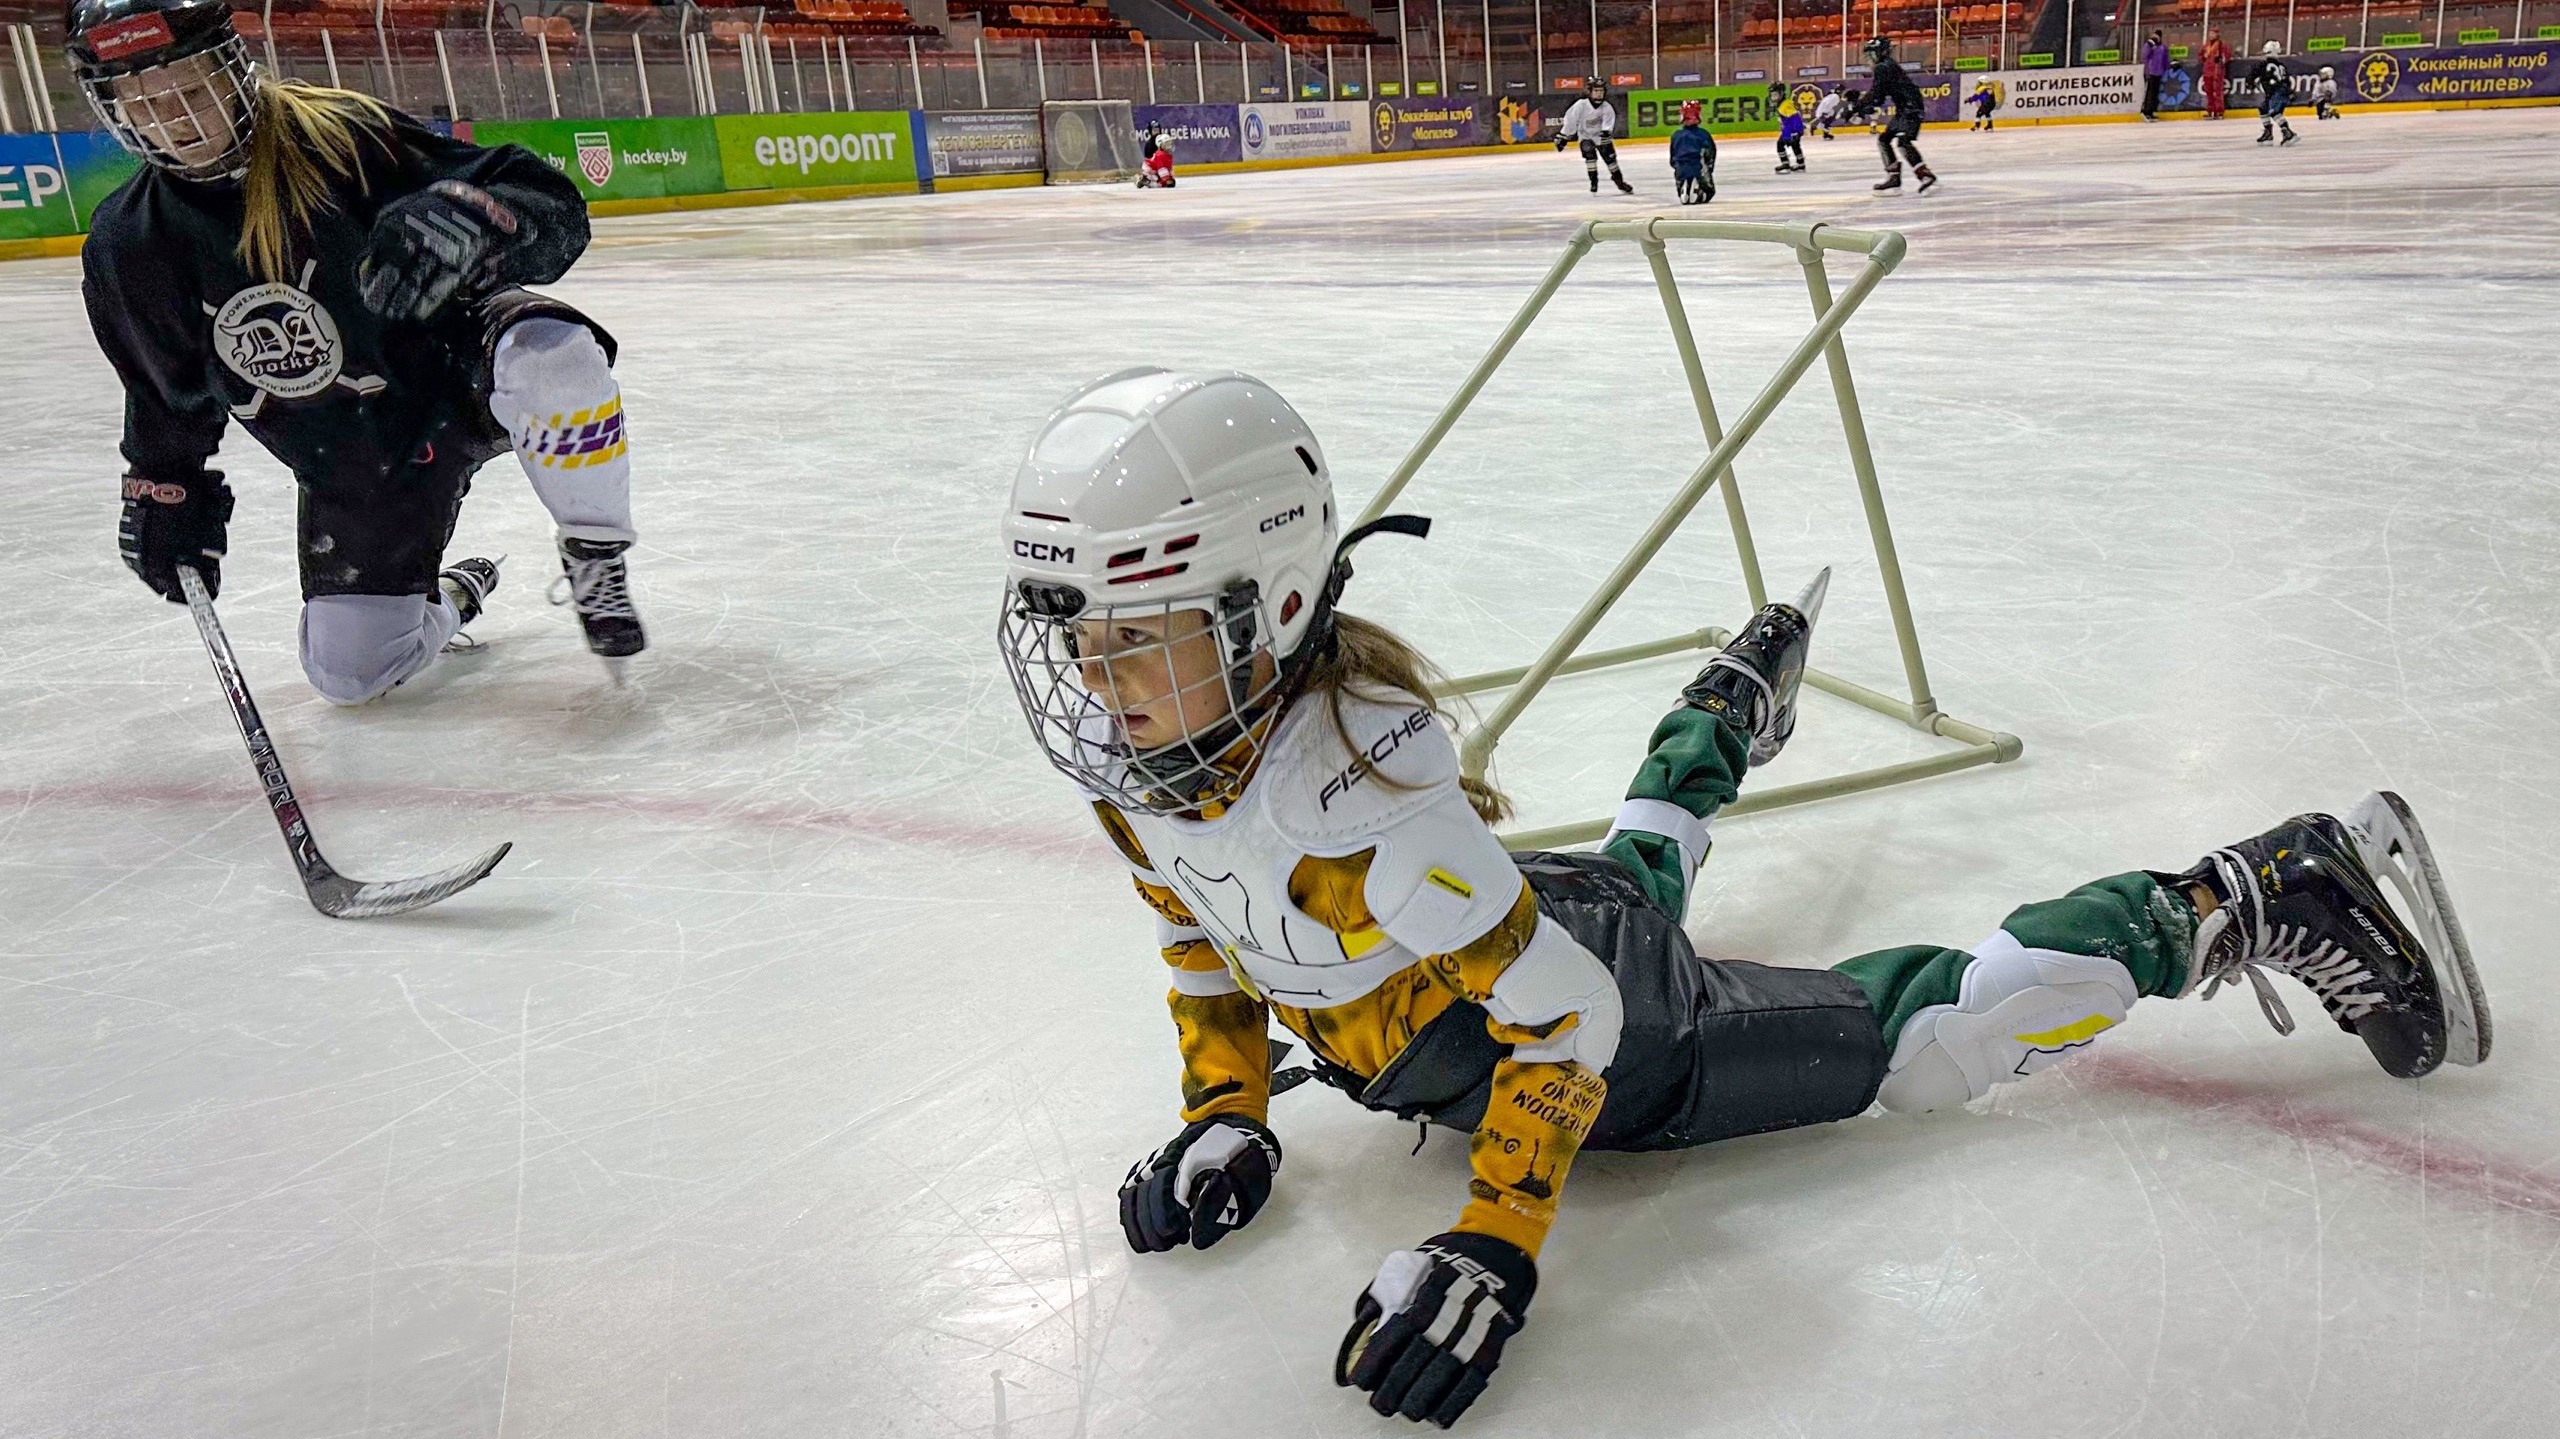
(280, 340)
(595, 156)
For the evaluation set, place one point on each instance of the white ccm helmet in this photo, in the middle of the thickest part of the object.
(1149, 493)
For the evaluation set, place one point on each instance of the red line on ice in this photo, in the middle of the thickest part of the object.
(2438, 1163)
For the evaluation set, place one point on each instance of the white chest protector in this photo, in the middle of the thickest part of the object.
(1439, 879)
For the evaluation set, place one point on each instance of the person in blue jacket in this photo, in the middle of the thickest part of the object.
(1790, 129)
(1693, 158)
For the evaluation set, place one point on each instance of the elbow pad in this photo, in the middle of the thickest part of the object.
(1553, 978)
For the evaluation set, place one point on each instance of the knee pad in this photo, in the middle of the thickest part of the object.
(553, 389)
(357, 648)
(2018, 1011)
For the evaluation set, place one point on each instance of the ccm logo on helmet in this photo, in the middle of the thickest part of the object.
(1054, 554)
(1294, 512)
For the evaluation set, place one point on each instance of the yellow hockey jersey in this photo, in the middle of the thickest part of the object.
(1351, 891)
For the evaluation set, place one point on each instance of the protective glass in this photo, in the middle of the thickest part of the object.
(189, 117)
(1156, 708)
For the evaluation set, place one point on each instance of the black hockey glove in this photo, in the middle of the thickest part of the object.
(1428, 1331)
(1562, 141)
(1210, 1181)
(168, 523)
(427, 247)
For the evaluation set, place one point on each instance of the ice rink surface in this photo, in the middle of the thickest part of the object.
(780, 1083)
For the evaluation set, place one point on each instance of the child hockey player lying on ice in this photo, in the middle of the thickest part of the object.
(1291, 807)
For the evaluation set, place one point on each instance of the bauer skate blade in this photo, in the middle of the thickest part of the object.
(2387, 838)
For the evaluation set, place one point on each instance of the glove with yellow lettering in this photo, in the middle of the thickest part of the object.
(1428, 1331)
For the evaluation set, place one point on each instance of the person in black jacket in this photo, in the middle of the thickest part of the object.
(346, 283)
(1892, 86)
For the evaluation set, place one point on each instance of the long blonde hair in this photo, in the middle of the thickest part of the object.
(303, 135)
(1371, 662)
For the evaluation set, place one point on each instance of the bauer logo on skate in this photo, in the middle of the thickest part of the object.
(1361, 768)
(280, 340)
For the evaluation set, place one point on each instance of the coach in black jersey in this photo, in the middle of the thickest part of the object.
(345, 282)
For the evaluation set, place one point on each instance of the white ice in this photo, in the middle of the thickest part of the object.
(780, 1084)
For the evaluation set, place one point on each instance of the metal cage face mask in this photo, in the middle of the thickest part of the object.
(190, 117)
(1082, 671)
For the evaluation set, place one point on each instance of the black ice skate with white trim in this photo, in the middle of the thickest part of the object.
(596, 579)
(1753, 681)
(2306, 899)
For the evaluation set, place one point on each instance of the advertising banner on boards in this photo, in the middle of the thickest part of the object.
(781, 152)
(1399, 125)
(2031, 95)
(1721, 108)
(35, 190)
(1201, 134)
(618, 159)
(1308, 129)
(2526, 70)
(983, 142)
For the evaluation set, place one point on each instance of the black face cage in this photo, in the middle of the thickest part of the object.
(1076, 726)
(211, 87)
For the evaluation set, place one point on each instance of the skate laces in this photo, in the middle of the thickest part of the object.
(2345, 986)
(599, 586)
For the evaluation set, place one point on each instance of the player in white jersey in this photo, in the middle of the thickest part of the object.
(1592, 120)
(1291, 806)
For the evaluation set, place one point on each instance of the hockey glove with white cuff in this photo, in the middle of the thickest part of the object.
(427, 247)
(1210, 1181)
(1428, 1331)
(168, 523)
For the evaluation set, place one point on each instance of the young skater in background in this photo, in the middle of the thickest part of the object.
(2324, 94)
(1157, 173)
(1828, 111)
(1984, 101)
(1591, 121)
(1899, 95)
(1693, 158)
(1790, 129)
(2275, 89)
(1290, 806)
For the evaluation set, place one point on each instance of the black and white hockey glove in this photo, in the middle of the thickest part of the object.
(1209, 1182)
(427, 247)
(168, 523)
(1428, 1331)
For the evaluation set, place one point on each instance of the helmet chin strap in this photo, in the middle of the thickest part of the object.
(1191, 769)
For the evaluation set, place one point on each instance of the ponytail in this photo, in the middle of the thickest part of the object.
(1372, 662)
(303, 137)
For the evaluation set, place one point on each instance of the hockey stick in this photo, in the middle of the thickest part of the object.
(332, 893)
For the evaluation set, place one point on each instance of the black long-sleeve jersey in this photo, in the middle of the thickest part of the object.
(334, 391)
(2274, 80)
(1891, 84)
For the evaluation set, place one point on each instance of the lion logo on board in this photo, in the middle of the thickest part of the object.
(280, 340)
(2377, 75)
(595, 156)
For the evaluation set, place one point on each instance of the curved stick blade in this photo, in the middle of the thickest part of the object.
(342, 898)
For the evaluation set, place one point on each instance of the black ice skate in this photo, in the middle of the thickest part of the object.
(2289, 137)
(1927, 179)
(1891, 181)
(2306, 899)
(2266, 133)
(467, 585)
(1753, 680)
(595, 579)
(1621, 182)
(1595, 182)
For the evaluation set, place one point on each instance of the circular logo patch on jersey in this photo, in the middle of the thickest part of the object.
(280, 340)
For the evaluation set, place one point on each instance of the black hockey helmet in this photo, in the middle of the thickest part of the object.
(1879, 49)
(170, 79)
(1596, 87)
